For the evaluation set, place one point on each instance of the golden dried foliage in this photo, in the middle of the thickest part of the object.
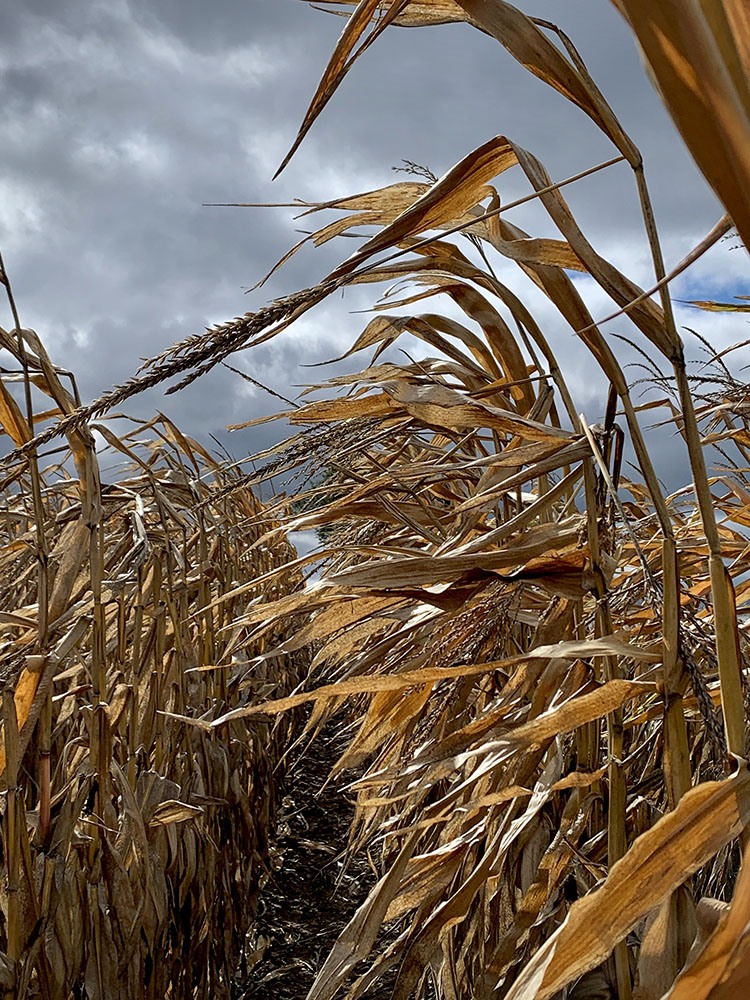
(545, 662)
(535, 647)
(133, 845)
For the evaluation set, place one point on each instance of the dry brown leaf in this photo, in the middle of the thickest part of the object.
(660, 860)
(698, 55)
(725, 948)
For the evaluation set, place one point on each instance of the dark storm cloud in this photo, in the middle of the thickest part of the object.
(119, 120)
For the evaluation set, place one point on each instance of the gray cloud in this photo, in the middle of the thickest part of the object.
(119, 119)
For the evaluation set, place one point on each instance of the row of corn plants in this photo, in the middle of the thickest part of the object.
(133, 846)
(544, 662)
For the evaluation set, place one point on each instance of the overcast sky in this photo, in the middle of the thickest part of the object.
(119, 119)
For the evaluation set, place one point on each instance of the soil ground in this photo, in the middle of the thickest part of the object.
(310, 895)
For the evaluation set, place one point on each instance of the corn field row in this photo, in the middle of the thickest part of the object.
(542, 655)
(133, 846)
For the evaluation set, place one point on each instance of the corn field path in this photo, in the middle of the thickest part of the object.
(310, 893)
